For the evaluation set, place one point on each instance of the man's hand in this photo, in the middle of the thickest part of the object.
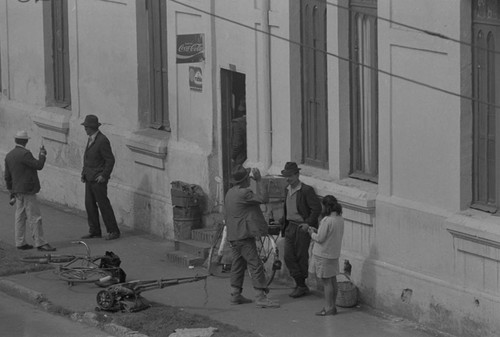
(256, 174)
(43, 152)
(100, 179)
(304, 227)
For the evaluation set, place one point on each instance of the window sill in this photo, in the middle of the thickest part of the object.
(149, 147)
(357, 197)
(53, 123)
(475, 232)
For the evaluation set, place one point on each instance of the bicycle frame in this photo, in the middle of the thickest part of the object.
(87, 260)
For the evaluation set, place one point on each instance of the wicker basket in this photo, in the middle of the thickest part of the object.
(347, 295)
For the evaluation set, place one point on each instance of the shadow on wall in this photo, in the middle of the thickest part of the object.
(141, 207)
(368, 279)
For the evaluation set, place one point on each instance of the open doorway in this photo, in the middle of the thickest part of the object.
(234, 126)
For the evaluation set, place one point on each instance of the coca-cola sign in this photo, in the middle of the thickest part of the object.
(190, 48)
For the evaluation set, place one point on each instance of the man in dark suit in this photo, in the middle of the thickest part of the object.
(98, 162)
(302, 208)
(245, 222)
(22, 181)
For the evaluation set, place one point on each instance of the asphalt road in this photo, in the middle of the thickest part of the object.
(20, 319)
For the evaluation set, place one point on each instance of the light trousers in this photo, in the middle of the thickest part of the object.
(245, 256)
(28, 212)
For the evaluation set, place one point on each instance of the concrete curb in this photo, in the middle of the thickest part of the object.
(89, 318)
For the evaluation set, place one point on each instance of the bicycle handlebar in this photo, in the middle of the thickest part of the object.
(83, 243)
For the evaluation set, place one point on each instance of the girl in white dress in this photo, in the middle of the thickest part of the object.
(326, 251)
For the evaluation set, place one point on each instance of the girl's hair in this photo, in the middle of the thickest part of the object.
(330, 205)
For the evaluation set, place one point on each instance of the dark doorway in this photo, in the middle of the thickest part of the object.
(233, 114)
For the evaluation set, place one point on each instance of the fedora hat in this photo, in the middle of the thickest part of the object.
(290, 169)
(23, 134)
(91, 121)
(240, 174)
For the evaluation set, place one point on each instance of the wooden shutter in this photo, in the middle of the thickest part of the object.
(60, 54)
(314, 83)
(158, 63)
(364, 90)
(486, 78)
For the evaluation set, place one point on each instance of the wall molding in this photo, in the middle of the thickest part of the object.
(149, 147)
(53, 123)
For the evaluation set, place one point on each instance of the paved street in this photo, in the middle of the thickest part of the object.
(144, 257)
(20, 319)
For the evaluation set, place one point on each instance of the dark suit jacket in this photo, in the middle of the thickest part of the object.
(244, 218)
(21, 174)
(308, 206)
(98, 159)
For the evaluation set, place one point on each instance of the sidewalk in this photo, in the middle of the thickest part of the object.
(144, 257)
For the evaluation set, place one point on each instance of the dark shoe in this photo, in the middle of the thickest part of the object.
(324, 312)
(91, 236)
(113, 236)
(46, 248)
(25, 247)
(299, 292)
(239, 299)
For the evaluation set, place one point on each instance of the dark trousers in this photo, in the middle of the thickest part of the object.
(96, 198)
(297, 252)
(245, 255)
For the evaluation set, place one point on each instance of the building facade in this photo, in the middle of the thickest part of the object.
(388, 105)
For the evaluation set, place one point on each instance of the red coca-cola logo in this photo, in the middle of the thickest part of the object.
(190, 48)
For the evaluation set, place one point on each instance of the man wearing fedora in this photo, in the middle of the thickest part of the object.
(22, 181)
(245, 222)
(302, 208)
(98, 162)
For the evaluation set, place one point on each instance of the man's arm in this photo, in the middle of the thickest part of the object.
(109, 158)
(312, 201)
(30, 161)
(261, 191)
(261, 195)
(8, 177)
(314, 205)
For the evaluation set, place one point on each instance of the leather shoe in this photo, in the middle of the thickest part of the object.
(112, 236)
(239, 299)
(46, 248)
(25, 247)
(299, 292)
(91, 236)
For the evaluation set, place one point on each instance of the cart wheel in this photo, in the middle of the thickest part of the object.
(105, 300)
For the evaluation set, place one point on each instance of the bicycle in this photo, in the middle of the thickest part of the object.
(75, 268)
(267, 250)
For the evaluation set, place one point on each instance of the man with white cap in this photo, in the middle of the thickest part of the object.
(21, 177)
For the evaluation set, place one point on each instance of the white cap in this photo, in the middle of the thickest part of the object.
(23, 134)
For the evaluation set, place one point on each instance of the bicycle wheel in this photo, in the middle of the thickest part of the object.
(269, 255)
(48, 258)
(83, 275)
(214, 263)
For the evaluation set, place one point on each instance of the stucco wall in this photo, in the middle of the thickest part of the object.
(416, 249)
